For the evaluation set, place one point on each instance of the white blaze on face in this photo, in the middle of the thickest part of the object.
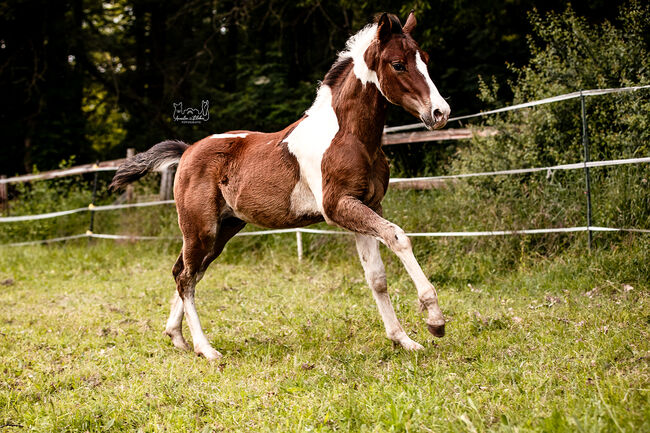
(437, 102)
(309, 141)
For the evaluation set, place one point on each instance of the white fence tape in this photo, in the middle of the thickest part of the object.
(573, 95)
(573, 166)
(129, 205)
(133, 238)
(12, 219)
(338, 232)
(61, 173)
(45, 241)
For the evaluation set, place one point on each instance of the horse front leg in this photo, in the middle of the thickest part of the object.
(352, 214)
(373, 267)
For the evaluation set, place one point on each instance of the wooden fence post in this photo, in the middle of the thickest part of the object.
(130, 152)
(166, 184)
(4, 195)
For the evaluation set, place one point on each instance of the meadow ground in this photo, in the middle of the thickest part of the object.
(560, 344)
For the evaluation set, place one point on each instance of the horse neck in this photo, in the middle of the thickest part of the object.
(360, 110)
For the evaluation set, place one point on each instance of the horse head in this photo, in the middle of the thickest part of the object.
(402, 74)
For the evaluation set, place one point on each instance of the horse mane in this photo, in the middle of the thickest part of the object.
(358, 42)
(336, 71)
(355, 46)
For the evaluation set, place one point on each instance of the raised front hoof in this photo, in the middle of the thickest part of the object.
(177, 340)
(208, 353)
(437, 330)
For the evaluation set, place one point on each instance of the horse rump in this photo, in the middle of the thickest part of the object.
(161, 155)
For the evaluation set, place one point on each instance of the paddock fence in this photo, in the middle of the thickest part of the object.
(392, 136)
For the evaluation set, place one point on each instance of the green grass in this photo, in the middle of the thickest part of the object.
(559, 344)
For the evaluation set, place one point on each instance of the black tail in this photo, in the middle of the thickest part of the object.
(162, 154)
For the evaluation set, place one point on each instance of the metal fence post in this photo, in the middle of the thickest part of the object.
(585, 144)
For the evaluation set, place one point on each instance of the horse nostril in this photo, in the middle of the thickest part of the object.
(437, 114)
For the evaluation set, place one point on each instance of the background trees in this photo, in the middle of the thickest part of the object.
(90, 78)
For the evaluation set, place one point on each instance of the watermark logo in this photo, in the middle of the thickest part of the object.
(191, 115)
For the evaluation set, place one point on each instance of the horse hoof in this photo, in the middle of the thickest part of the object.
(411, 345)
(437, 330)
(177, 340)
(208, 353)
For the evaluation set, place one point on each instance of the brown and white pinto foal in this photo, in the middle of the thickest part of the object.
(328, 165)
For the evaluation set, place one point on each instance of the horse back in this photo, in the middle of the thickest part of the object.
(252, 175)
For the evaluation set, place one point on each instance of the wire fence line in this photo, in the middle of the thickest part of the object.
(548, 170)
(566, 96)
(90, 208)
(297, 231)
(586, 164)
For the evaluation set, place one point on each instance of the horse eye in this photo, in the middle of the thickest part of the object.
(399, 67)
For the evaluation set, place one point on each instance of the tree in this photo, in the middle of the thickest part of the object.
(90, 78)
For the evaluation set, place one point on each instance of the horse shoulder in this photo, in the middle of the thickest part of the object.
(351, 169)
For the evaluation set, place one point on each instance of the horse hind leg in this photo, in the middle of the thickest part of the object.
(198, 253)
(195, 249)
(174, 328)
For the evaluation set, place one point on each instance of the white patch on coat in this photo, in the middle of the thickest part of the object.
(302, 199)
(437, 101)
(242, 135)
(308, 142)
(355, 48)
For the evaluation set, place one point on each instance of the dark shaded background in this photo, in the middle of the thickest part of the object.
(91, 78)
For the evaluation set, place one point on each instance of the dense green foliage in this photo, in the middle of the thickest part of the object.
(91, 78)
(568, 54)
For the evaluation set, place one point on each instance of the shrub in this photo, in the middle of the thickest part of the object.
(568, 54)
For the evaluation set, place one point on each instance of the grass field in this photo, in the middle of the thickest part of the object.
(559, 344)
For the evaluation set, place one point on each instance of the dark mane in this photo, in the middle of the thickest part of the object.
(336, 71)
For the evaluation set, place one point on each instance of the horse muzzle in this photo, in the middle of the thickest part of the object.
(436, 117)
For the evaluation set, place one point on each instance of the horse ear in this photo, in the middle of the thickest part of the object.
(384, 28)
(411, 22)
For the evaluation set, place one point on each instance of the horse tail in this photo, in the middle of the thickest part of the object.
(162, 155)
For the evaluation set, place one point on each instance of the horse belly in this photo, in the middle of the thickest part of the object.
(273, 201)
